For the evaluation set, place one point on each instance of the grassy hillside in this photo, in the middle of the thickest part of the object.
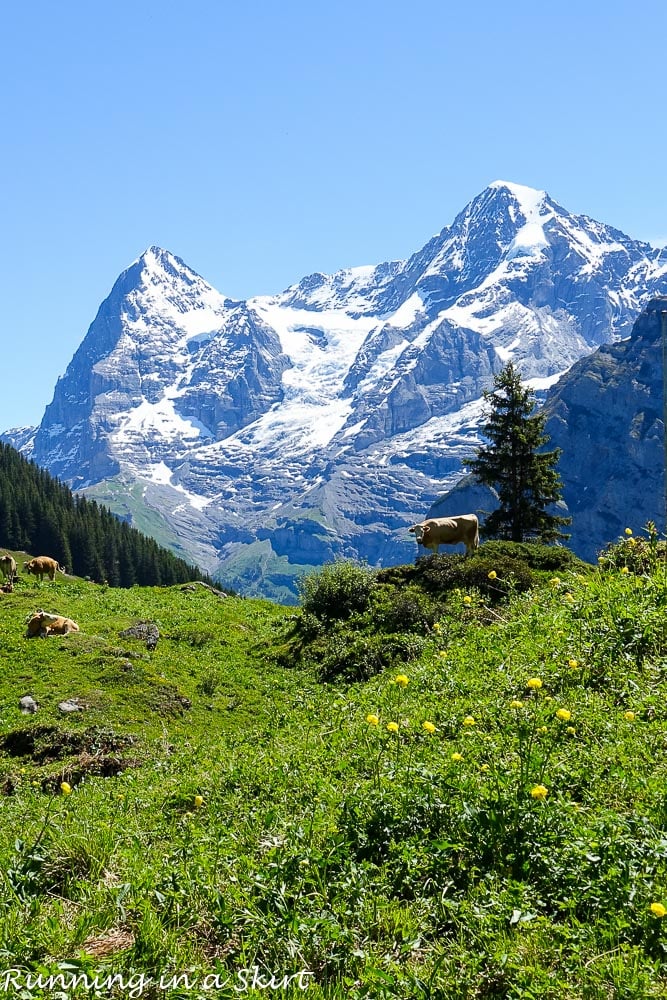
(442, 781)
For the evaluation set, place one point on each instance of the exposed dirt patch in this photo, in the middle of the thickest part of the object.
(44, 744)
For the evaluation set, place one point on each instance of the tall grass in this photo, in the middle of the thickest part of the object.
(484, 817)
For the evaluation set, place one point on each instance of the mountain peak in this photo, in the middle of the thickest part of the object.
(157, 258)
(520, 191)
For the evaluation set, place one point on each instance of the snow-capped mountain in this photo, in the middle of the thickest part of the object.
(266, 436)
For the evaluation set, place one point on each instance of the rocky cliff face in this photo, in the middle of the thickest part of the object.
(271, 435)
(606, 415)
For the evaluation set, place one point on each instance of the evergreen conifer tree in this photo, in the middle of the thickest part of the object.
(524, 477)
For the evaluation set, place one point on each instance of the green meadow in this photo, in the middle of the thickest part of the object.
(445, 780)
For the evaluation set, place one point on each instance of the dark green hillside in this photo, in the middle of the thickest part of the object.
(445, 781)
(39, 514)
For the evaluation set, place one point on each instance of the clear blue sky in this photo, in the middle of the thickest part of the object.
(263, 141)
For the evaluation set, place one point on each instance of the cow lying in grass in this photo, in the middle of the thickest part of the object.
(439, 531)
(42, 624)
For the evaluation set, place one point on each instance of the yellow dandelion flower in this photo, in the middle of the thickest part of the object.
(534, 683)
(401, 680)
(628, 531)
(469, 720)
(573, 664)
(442, 655)
(436, 626)
(543, 729)
(629, 716)
(631, 542)
(492, 575)
(467, 600)
(199, 801)
(625, 569)
(484, 767)
(65, 788)
(568, 597)
(428, 726)
(457, 756)
(658, 910)
(555, 581)
(516, 704)
(564, 714)
(372, 720)
(539, 792)
(392, 727)
(570, 730)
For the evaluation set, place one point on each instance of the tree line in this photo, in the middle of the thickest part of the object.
(41, 515)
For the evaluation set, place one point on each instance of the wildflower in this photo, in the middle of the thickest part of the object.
(467, 600)
(543, 729)
(571, 731)
(199, 801)
(568, 597)
(628, 531)
(629, 716)
(392, 727)
(469, 720)
(457, 756)
(573, 664)
(484, 767)
(442, 655)
(428, 726)
(658, 910)
(632, 542)
(625, 569)
(492, 575)
(436, 626)
(65, 788)
(372, 720)
(555, 581)
(516, 704)
(564, 714)
(539, 792)
(534, 683)
(401, 680)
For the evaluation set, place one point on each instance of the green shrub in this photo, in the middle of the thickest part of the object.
(494, 577)
(548, 558)
(337, 590)
(357, 657)
(405, 610)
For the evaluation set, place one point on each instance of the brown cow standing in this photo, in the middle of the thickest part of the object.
(439, 531)
(43, 566)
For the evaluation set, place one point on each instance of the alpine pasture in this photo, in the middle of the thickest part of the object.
(445, 780)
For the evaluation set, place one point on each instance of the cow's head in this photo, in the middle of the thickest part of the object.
(420, 531)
